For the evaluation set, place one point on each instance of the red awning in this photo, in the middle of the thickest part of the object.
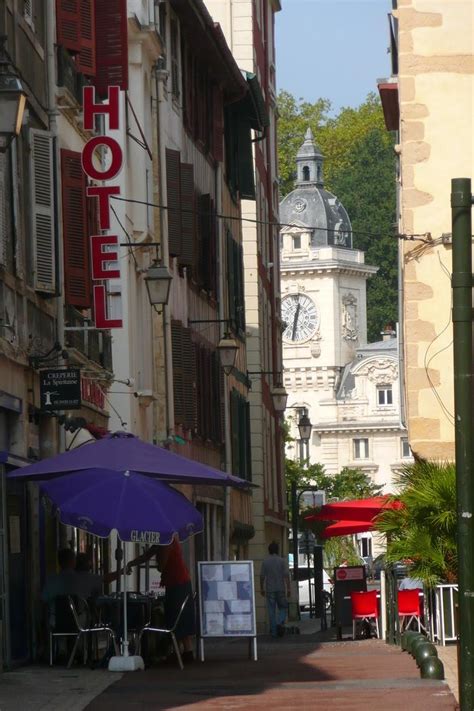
(346, 528)
(355, 510)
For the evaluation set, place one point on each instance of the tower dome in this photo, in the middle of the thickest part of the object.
(309, 204)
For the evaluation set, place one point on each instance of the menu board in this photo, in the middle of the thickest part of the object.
(226, 598)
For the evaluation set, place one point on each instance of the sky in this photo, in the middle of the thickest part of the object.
(332, 49)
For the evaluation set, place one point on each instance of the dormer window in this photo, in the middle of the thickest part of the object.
(296, 242)
(306, 173)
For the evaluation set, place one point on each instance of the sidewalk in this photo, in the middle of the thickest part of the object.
(304, 671)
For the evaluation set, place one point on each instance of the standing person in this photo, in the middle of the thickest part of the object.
(275, 586)
(176, 580)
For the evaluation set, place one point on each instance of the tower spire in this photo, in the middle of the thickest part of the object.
(309, 162)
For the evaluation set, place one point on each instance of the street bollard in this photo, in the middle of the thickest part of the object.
(423, 651)
(432, 668)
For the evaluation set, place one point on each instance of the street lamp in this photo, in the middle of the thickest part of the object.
(158, 282)
(280, 397)
(12, 100)
(305, 427)
(228, 350)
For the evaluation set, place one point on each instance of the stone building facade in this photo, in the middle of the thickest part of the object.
(428, 100)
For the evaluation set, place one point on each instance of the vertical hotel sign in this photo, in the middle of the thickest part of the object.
(101, 259)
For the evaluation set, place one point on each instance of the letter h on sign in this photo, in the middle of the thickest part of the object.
(100, 258)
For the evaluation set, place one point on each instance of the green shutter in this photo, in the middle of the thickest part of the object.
(245, 161)
(178, 377)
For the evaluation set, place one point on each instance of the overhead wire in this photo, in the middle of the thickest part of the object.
(420, 237)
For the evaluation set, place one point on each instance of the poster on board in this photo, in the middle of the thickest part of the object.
(226, 600)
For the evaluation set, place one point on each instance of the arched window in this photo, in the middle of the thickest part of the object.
(306, 172)
(319, 173)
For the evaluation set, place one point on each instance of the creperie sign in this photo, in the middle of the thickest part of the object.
(102, 259)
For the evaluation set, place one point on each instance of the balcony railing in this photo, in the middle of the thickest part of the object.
(96, 345)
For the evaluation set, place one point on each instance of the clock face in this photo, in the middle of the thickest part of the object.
(301, 317)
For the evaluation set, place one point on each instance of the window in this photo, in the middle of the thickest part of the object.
(384, 395)
(306, 172)
(406, 451)
(174, 59)
(361, 448)
(297, 242)
(235, 272)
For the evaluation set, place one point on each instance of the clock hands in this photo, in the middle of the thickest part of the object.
(295, 321)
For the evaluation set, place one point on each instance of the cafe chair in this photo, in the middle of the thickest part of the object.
(171, 631)
(409, 608)
(81, 616)
(62, 624)
(364, 609)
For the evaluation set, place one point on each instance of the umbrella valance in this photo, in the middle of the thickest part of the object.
(356, 510)
(123, 451)
(346, 528)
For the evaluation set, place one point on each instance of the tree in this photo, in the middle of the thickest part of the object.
(424, 529)
(360, 170)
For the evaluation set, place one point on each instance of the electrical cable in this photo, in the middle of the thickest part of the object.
(420, 237)
(428, 360)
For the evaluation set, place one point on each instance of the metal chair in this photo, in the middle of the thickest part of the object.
(82, 632)
(171, 631)
(409, 607)
(62, 625)
(364, 608)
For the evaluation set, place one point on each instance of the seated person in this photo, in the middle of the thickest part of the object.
(88, 584)
(64, 582)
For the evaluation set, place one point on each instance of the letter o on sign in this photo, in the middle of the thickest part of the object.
(88, 152)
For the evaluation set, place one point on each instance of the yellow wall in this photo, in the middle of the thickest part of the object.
(436, 84)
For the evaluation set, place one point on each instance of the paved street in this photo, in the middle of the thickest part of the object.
(294, 673)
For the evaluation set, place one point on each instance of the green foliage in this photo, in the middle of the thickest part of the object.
(347, 484)
(338, 549)
(424, 530)
(359, 169)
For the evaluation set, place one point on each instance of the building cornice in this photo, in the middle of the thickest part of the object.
(327, 266)
(337, 427)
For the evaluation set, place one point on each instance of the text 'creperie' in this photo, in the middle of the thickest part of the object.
(100, 258)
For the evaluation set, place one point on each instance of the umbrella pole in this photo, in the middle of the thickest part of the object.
(125, 662)
(125, 620)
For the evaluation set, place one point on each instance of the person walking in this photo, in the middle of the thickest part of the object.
(275, 587)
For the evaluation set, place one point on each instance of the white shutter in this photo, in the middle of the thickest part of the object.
(3, 209)
(42, 209)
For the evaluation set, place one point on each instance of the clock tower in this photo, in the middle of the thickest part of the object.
(323, 287)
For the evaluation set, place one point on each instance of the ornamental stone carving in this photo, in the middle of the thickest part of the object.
(350, 326)
(380, 372)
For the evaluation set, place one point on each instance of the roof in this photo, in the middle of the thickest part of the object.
(369, 350)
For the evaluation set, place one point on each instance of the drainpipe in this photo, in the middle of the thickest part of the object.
(400, 324)
(222, 315)
(161, 76)
(53, 127)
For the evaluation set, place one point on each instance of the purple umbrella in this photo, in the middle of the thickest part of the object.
(139, 508)
(123, 451)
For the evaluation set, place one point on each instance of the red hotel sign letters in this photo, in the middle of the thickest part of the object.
(100, 258)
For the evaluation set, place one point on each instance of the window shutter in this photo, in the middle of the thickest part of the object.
(217, 124)
(173, 192)
(212, 286)
(111, 45)
(231, 272)
(189, 380)
(186, 258)
(41, 170)
(205, 238)
(248, 442)
(245, 162)
(3, 208)
(178, 377)
(85, 60)
(77, 281)
(240, 290)
(68, 19)
(234, 425)
(216, 397)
